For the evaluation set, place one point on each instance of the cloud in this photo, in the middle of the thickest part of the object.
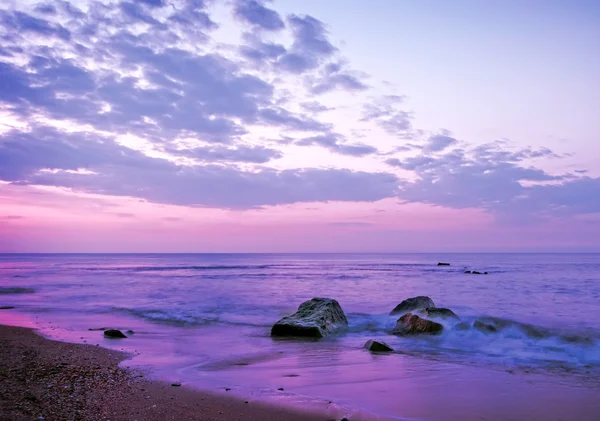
(333, 142)
(91, 163)
(23, 23)
(310, 46)
(497, 180)
(241, 153)
(125, 215)
(334, 76)
(386, 113)
(255, 13)
(439, 142)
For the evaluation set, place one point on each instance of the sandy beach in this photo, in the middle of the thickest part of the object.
(49, 380)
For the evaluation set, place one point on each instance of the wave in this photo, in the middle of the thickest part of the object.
(16, 290)
(173, 268)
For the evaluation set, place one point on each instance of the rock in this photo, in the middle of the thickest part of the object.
(468, 271)
(315, 318)
(6, 307)
(462, 326)
(176, 384)
(280, 389)
(130, 332)
(113, 333)
(484, 327)
(415, 303)
(444, 313)
(409, 324)
(378, 346)
(443, 264)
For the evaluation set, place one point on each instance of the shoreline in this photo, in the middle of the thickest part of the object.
(50, 380)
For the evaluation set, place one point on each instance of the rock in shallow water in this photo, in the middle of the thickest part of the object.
(114, 333)
(315, 318)
(444, 313)
(378, 346)
(409, 324)
(411, 304)
(484, 327)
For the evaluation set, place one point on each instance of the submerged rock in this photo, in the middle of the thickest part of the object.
(315, 318)
(6, 307)
(444, 313)
(415, 303)
(484, 327)
(114, 333)
(443, 264)
(462, 326)
(410, 324)
(378, 346)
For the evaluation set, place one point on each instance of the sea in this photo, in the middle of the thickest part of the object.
(204, 320)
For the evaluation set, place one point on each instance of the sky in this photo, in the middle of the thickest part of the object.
(299, 126)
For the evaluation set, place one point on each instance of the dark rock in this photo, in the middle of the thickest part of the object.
(16, 290)
(468, 271)
(443, 264)
(130, 332)
(484, 327)
(462, 326)
(444, 313)
(227, 389)
(378, 346)
(6, 307)
(409, 324)
(415, 303)
(315, 318)
(97, 328)
(280, 389)
(113, 333)
(176, 384)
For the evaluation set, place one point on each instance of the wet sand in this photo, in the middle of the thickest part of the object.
(41, 379)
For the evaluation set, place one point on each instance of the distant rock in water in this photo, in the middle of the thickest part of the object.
(114, 333)
(475, 272)
(484, 327)
(411, 304)
(378, 346)
(315, 318)
(443, 264)
(16, 290)
(6, 307)
(410, 324)
(444, 313)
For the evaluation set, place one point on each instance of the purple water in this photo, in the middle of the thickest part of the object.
(205, 320)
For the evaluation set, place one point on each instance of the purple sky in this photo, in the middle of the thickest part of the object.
(299, 125)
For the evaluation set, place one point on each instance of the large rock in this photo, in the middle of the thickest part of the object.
(411, 304)
(443, 313)
(410, 324)
(315, 318)
(378, 346)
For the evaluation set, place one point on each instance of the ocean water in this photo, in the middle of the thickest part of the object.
(205, 320)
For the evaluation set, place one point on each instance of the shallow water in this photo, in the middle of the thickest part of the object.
(205, 320)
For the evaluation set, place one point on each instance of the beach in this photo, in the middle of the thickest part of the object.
(41, 379)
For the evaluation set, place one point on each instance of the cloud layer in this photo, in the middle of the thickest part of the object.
(79, 77)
